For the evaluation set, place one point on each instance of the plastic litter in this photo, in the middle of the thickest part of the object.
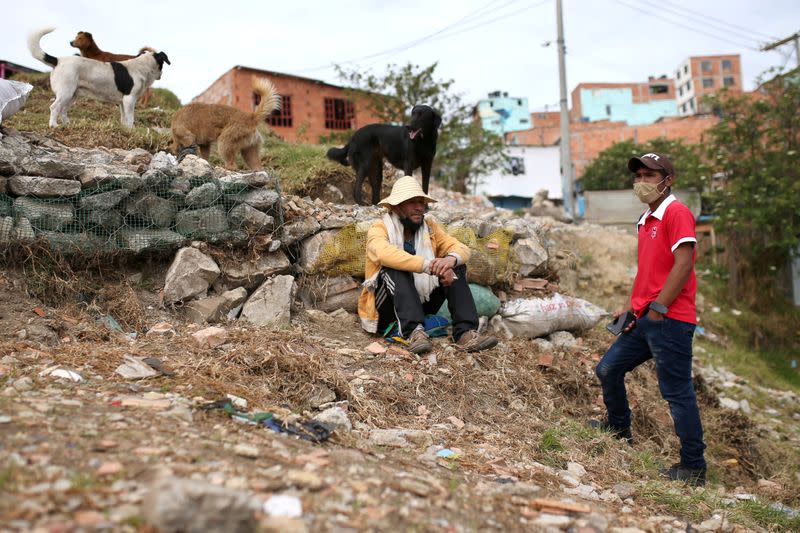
(486, 302)
(135, 368)
(63, 374)
(537, 317)
(311, 430)
(447, 453)
(284, 506)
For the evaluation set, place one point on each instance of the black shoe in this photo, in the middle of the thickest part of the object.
(696, 477)
(620, 433)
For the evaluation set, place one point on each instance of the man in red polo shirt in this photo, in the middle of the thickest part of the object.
(663, 303)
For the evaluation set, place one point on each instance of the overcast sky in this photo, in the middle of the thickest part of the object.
(483, 45)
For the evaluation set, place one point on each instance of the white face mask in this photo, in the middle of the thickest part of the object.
(648, 192)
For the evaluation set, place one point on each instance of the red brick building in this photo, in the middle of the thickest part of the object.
(698, 76)
(588, 139)
(310, 108)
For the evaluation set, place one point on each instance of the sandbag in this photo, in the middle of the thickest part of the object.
(486, 302)
(537, 317)
(13, 95)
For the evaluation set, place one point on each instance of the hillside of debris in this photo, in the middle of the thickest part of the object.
(179, 351)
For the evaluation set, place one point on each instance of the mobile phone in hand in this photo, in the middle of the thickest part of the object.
(619, 324)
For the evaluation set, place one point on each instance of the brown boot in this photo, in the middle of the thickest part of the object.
(419, 342)
(472, 342)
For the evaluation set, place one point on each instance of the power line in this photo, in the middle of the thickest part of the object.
(469, 17)
(483, 23)
(686, 9)
(715, 25)
(664, 19)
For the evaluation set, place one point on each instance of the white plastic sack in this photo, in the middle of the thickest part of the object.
(13, 95)
(537, 317)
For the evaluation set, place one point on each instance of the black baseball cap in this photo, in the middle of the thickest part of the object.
(653, 161)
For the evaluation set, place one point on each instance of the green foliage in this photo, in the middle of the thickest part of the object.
(756, 147)
(465, 151)
(609, 170)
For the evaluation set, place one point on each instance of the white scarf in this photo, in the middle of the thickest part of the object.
(425, 283)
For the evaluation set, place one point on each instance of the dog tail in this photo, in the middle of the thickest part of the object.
(36, 49)
(270, 99)
(339, 154)
(144, 49)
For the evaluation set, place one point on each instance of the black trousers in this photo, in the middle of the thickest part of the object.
(396, 299)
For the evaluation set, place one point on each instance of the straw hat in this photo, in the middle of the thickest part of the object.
(404, 189)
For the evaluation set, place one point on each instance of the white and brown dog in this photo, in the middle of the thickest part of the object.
(116, 82)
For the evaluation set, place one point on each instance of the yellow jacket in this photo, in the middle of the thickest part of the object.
(382, 253)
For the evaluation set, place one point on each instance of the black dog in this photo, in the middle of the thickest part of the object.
(408, 147)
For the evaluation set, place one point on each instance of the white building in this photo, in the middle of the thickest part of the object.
(531, 169)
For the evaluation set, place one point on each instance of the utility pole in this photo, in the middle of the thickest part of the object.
(795, 38)
(567, 186)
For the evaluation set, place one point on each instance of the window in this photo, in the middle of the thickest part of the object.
(678, 75)
(688, 86)
(659, 89)
(726, 64)
(728, 81)
(523, 121)
(683, 108)
(680, 91)
(708, 82)
(691, 104)
(339, 114)
(705, 66)
(686, 69)
(279, 117)
(608, 110)
(519, 102)
(515, 166)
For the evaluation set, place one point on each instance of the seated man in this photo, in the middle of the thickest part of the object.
(412, 266)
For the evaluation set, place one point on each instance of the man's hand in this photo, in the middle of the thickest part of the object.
(622, 311)
(447, 278)
(442, 264)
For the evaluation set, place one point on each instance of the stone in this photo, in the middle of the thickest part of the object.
(189, 275)
(270, 304)
(531, 254)
(625, 490)
(400, 438)
(262, 199)
(23, 231)
(203, 196)
(210, 337)
(151, 239)
(156, 180)
(563, 340)
(250, 219)
(76, 242)
(137, 156)
(43, 215)
(312, 248)
(23, 384)
(215, 308)
(246, 450)
(173, 504)
(6, 227)
(331, 293)
(303, 479)
(320, 394)
(252, 272)
(135, 368)
(165, 163)
(336, 418)
(236, 182)
(196, 167)
(105, 200)
(94, 175)
(163, 329)
(198, 223)
(728, 403)
(109, 469)
(111, 219)
(299, 230)
(43, 187)
(151, 208)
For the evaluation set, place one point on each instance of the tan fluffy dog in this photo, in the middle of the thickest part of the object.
(84, 42)
(233, 130)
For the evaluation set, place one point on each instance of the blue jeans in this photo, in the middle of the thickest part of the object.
(670, 343)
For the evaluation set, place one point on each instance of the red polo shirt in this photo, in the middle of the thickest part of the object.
(660, 233)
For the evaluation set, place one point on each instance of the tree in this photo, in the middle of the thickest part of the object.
(756, 147)
(609, 171)
(465, 151)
